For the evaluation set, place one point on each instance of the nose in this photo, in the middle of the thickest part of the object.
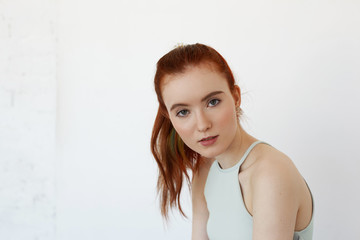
(203, 122)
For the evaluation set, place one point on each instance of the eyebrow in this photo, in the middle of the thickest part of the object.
(202, 100)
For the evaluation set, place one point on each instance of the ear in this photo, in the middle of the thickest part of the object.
(237, 95)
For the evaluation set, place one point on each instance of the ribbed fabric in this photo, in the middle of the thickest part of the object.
(228, 216)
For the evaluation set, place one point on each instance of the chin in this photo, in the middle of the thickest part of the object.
(210, 154)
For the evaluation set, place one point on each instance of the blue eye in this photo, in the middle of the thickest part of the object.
(214, 102)
(182, 113)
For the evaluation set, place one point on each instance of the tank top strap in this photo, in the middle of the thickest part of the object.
(248, 151)
(238, 164)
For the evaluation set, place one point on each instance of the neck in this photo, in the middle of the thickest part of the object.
(237, 148)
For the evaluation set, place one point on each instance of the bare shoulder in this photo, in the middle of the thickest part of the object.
(199, 206)
(199, 177)
(279, 190)
(272, 164)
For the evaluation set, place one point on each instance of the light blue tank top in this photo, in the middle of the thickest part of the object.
(228, 216)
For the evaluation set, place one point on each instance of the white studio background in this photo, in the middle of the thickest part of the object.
(27, 119)
(296, 62)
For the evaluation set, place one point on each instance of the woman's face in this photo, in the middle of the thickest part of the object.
(202, 109)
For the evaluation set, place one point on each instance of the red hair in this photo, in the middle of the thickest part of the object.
(173, 157)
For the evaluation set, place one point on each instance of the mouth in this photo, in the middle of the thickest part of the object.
(208, 138)
(208, 141)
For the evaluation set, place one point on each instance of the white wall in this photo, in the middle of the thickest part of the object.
(27, 119)
(298, 67)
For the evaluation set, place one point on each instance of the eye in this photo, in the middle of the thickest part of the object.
(182, 113)
(214, 102)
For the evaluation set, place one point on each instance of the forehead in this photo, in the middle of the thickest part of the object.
(192, 85)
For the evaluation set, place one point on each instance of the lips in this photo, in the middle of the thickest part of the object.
(208, 141)
(207, 138)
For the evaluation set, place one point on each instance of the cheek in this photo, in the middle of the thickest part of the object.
(227, 117)
(184, 129)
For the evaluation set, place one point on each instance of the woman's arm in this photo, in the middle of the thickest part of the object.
(200, 213)
(275, 199)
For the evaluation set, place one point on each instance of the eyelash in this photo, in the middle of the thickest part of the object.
(214, 99)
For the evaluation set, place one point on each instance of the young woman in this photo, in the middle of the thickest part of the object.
(242, 188)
